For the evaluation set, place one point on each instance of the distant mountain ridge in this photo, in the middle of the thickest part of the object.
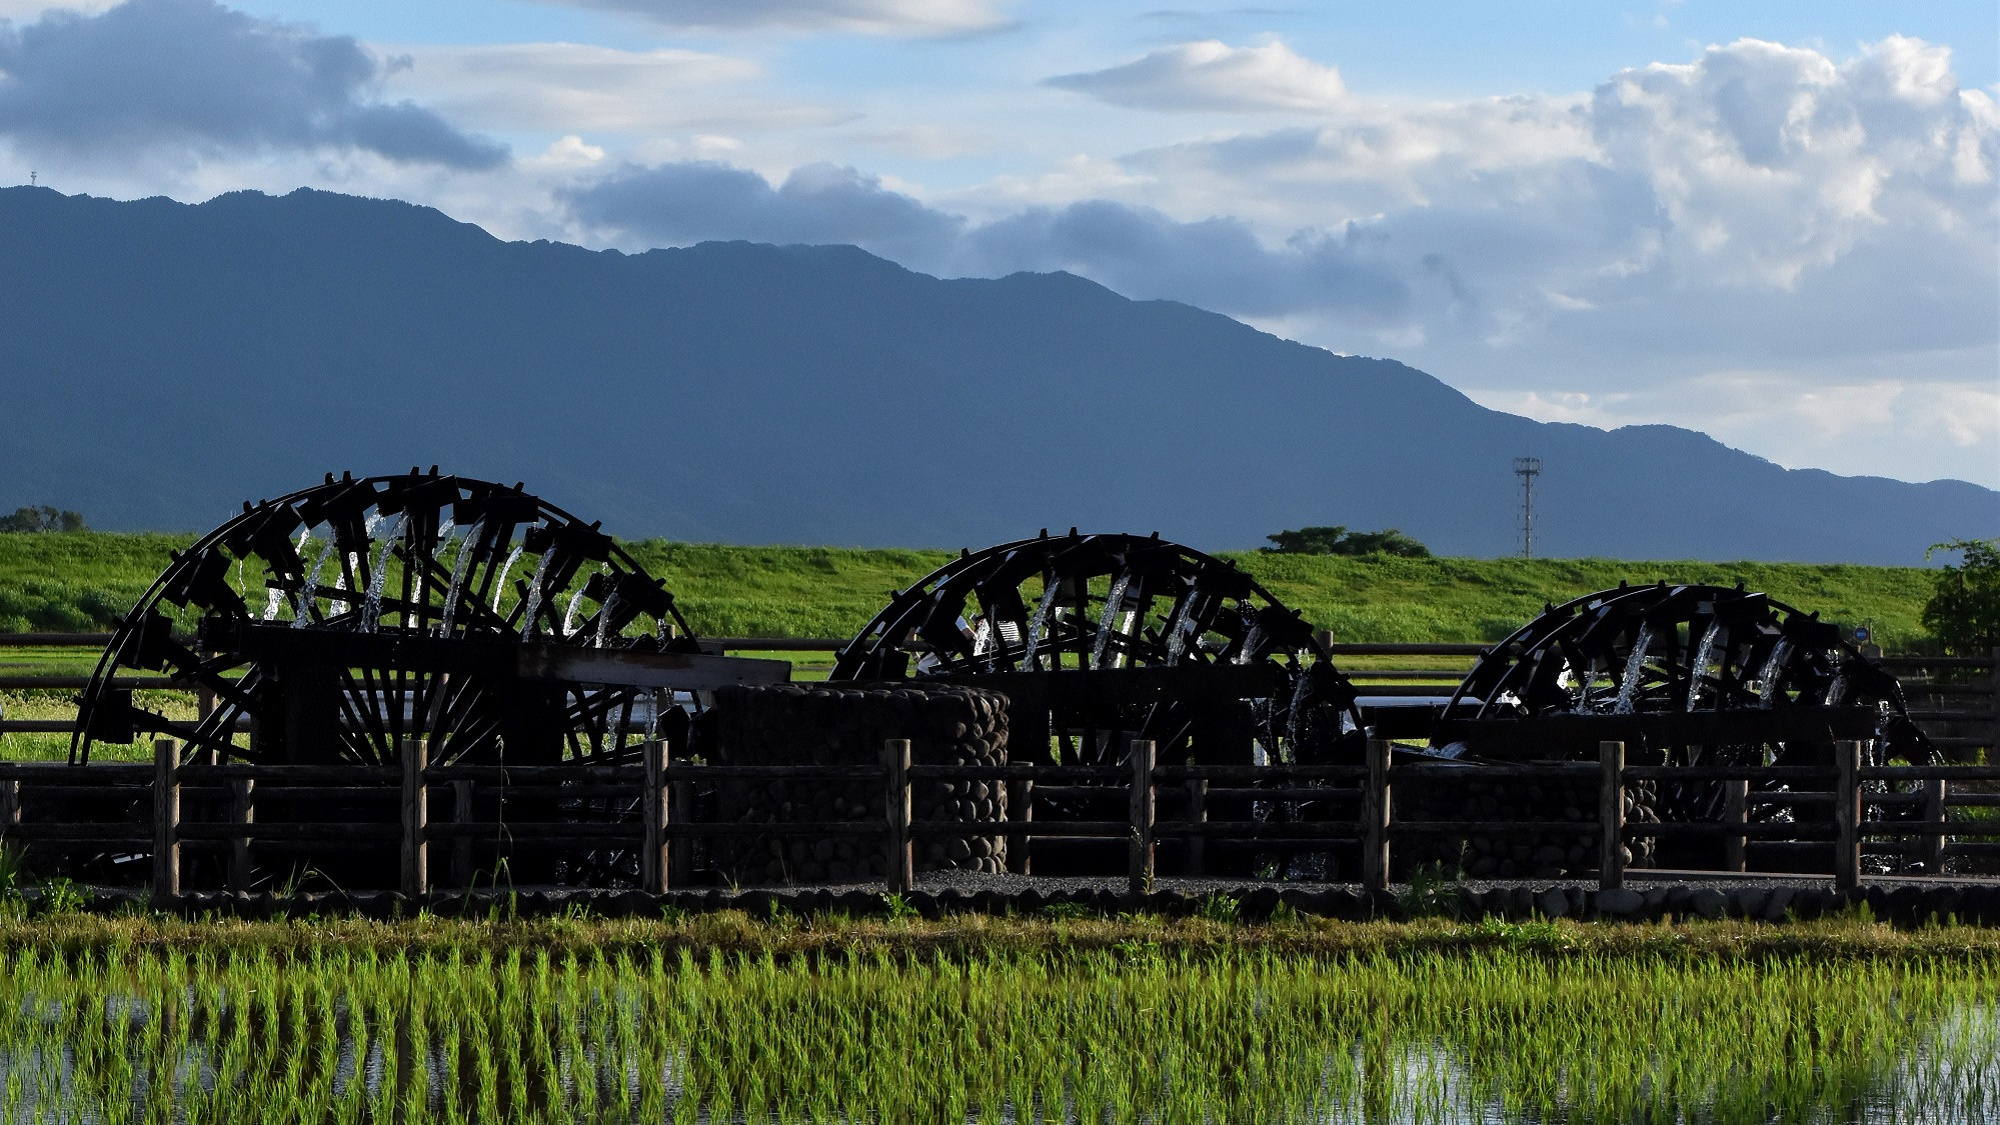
(161, 362)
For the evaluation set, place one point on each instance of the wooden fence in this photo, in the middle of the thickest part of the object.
(663, 831)
(1954, 699)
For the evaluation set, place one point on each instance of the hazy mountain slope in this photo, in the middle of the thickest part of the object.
(162, 362)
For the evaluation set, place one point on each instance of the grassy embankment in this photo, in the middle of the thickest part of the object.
(84, 581)
(1080, 1020)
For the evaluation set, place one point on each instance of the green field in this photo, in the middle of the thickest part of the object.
(727, 1018)
(83, 581)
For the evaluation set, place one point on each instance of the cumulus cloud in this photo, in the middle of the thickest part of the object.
(1211, 75)
(1826, 224)
(694, 201)
(1768, 161)
(1760, 198)
(573, 87)
(194, 78)
(869, 17)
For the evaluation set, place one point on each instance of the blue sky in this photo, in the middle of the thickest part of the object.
(1775, 222)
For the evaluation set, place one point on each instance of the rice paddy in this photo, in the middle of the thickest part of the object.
(724, 1018)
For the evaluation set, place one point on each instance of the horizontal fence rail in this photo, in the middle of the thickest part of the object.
(493, 806)
(1956, 707)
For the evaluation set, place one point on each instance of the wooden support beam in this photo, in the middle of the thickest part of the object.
(1736, 814)
(680, 810)
(1937, 810)
(416, 818)
(1611, 816)
(1020, 810)
(1197, 813)
(166, 822)
(1375, 817)
(242, 813)
(1139, 858)
(10, 805)
(901, 871)
(1847, 815)
(655, 863)
(461, 846)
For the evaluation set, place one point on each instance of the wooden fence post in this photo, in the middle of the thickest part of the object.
(1936, 811)
(655, 863)
(1197, 844)
(242, 814)
(1611, 816)
(166, 822)
(1847, 816)
(1736, 814)
(1139, 847)
(416, 818)
(900, 874)
(1375, 816)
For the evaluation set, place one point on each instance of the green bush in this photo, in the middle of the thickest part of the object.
(1963, 612)
(1340, 541)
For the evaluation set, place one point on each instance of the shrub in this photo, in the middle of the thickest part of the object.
(1963, 612)
(1340, 541)
(43, 518)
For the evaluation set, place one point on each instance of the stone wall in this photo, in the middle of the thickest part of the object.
(847, 724)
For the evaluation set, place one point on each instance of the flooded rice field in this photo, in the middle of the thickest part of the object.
(1128, 1034)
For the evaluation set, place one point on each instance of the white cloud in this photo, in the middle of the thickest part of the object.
(570, 151)
(1790, 250)
(30, 9)
(1911, 429)
(1827, 225)
(694, 201)
(1211, 75)
(179, 81)
(868, 17)
(572, 87)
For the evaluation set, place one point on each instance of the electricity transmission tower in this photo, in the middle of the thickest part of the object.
(1527, 468)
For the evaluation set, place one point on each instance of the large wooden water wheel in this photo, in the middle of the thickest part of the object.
(335, 623)
(1694, 675)
(1100, 640)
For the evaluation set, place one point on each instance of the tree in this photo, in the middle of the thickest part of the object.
(1964, 610)
(1340, 541)
(44, 518)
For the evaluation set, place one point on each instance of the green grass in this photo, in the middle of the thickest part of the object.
(1382, 598)
(84, 581)
(1056, 932)
(76, 582)
(1526, 1022)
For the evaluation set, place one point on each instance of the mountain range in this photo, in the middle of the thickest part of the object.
(162, 362)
